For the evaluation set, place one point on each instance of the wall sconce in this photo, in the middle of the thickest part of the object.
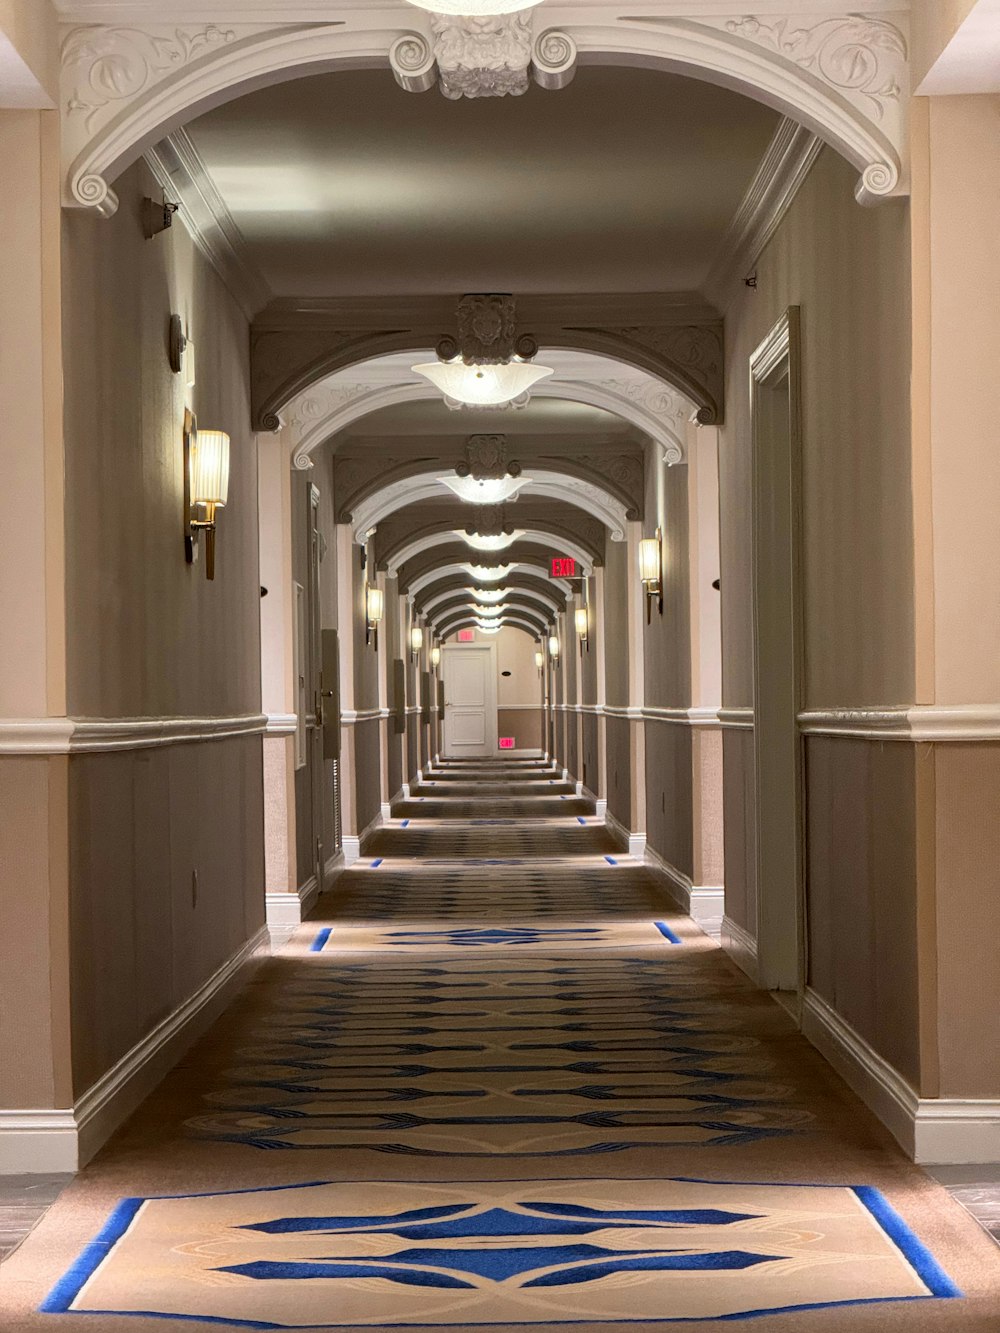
(435, 657)
(374, 604)
(651, 571)
(416, 642)
(540, 661)
(206, 487)
(581, 619)
(554, 647)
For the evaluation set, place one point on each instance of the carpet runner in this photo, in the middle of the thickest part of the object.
(499, 1081)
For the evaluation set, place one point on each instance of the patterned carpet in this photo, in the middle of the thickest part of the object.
(498, 1081)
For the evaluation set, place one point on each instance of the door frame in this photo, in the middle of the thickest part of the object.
(779, 803)
(492, 717)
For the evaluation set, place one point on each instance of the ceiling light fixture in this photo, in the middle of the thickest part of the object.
(485, 490)
(487, 365)
(489, 573)
(475, 8)
(488, 594)
(479, 385)
(497, 542)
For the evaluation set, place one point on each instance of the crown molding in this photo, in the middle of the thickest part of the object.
(184, 177)
(782, 171)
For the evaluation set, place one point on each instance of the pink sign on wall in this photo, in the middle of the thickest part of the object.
(466, 635)
(506, 742)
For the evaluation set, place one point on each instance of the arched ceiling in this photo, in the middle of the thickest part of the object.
(444, 549)
(568, 529)
(344, 185)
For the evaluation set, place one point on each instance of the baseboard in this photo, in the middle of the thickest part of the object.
(741, 947)
(286, 910)
(679, 885)
(386, 811)
(633, 843)
(34, 1141)
(932, 1130)
(521, 754)
(406, 791)
(353, 843)
(708, 907)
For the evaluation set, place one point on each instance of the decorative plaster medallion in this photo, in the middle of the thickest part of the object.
(493, 56)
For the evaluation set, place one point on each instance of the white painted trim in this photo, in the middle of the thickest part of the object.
(906, 722)
(704, 903)
(351, 716)
(589, 495)
(737, 719)
(783, 168)
(62, 735)
(405, 790)
(635, 843)
(287, 910)
(386, 811)
(184, 179)
(601, 806)
(352, 843)
(941, 1130)
(741, 946)
(520, 754)
(280, 724)
(33, 1141)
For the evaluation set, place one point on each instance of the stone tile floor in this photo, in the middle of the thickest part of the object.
(23, 1202)
(977, 1189)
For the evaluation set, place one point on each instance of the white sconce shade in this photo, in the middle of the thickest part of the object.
(416, 639)
(435, 657)
(374, 604)
(553, 645)
(482, 386)
(489, 573)
(496, 543)
(651, 570)
(475, 8)
(209, 478)
(582, 621)
(489, 491)
(488, 594)
(649, 560)
(539, 660)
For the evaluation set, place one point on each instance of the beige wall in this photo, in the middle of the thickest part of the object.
(848, 269)
(149, 636)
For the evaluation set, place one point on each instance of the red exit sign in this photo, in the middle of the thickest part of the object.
(562, 567)
(466, 636)
(506, 742)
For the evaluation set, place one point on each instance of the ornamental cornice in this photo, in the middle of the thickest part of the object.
(845, 77)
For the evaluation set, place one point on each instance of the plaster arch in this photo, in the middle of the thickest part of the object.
(440, 595)
(124, 88)
(586, 495)
(399, 558)
(337, 402)
(452, 572)
(455, 619)
(517, 601)
(513, 621)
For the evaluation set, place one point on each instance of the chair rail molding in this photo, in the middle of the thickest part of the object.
(845, 77)
(906, 722)
(66, 735)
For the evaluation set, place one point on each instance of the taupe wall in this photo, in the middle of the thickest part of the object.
(848, 269)
(149, 637)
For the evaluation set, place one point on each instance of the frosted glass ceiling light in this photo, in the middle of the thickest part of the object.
(488, 594)
(499, 542)
(482, 386)
(487, 612)
(488, 573)
(475, 8)
(485, 627)
(486, 490)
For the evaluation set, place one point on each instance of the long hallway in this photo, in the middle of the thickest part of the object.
(497, 1079)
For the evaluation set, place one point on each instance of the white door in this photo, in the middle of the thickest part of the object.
(470, 709)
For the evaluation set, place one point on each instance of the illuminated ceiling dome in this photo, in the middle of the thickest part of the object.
(475, 8)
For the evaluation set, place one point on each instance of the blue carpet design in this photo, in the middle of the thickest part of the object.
(487, 1249)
